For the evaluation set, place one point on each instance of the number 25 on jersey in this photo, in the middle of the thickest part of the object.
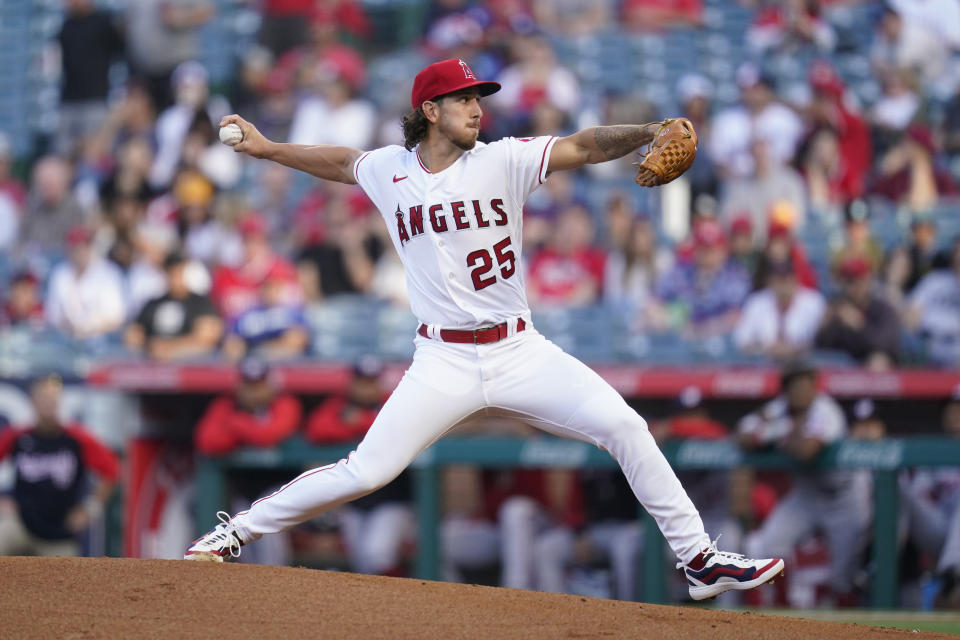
(482, 262)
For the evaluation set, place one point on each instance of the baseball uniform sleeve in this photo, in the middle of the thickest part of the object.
(96, 455)
(372, 172)
(826, 422)
(526, 164)
(7, 438)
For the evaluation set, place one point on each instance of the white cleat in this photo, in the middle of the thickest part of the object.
(713, 572)
(218, 543)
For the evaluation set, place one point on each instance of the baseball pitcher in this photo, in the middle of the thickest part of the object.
(453, 207)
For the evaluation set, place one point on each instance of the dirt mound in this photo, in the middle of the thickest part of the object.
(121, 598)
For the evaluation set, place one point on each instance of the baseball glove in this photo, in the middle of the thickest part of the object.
(670, 154)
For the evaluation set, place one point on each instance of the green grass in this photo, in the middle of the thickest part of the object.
(936, 621)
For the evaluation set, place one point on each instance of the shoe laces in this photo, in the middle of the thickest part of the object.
(713, 550)
(233, 542)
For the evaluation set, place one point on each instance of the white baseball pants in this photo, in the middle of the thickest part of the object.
(525, 374)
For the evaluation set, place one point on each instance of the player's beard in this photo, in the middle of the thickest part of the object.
(463, 138)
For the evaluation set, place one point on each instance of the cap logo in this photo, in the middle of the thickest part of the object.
(467, 72)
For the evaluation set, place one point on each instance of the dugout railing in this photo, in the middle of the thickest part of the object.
(884, 458)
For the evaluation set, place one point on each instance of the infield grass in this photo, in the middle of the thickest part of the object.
(935, 621)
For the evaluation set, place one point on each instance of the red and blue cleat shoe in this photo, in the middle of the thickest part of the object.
(713, 572)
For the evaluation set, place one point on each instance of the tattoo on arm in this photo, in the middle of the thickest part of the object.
(619, 140)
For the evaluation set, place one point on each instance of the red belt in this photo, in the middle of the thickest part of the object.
(484, 335)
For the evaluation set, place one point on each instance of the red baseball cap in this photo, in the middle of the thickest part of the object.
(447, 76)
(253, 225)
(709, 233)
(741, 225)
(78, 235)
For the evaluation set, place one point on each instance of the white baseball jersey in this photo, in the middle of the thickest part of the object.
(458, 230)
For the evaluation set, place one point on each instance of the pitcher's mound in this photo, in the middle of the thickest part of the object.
(125, 598)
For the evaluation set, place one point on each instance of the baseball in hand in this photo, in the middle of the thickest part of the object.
(231, 134)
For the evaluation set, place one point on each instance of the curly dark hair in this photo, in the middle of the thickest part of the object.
(414, 128)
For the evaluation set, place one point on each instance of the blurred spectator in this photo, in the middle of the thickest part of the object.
(128, 179)
(283, 24)
(162, 34)
(535, 76)
(179, 324)
(543, 208)
(9, 222)
(85, 295)
(10, 185)
(894, 277)
(905, 43)
(257, 415)
(389, 280)
(23, 306)
(189, 119)
(631, 273)
(377, 528)
(611, 532)
(934, 311)
(323, 54)
(237, 289)
(906, 265)
(800, 422)
(948, 564)
(941, 16)
(504, 513)
(951, 130)
(192, 207)
(703, 295)
(275, 328)
(275, 197)
(930, 511)
(51, 209)
(347, 418)
(52, 501)
(760, 116)
(618, 218)
(335, 114)
(90, 39)
(569, 270)
(838, 155)
(866, 423)
(146, 277)
(908, 174)
(782, 245)
(767, 186)
(922, 249)
(342, 260)
(743, 249)
(894, 110)
(789, 27)
(249, 91)
(647, 15)
(781, 320)
(858, 240)
(131, 117)
(571, 17)
(695, 93)
(860, 321)
(117, 236)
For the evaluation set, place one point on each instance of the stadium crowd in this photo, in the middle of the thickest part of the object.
(822, 215)
(134, 222)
